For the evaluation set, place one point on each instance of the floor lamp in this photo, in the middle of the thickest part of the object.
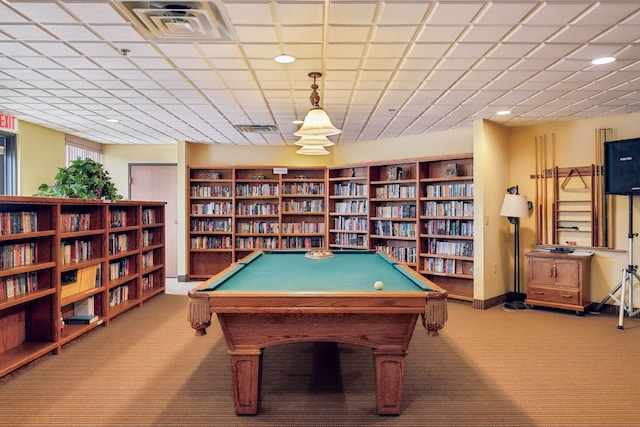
(514, 207)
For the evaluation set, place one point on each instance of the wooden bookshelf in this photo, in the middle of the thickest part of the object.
(234, 211)
(349, 207)
(446, 224)
(65, 249)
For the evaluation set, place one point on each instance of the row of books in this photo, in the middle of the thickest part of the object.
(78, 280)
(456, 248)
(18, 222)
(254, 190)
(118, 295)
(257, 209)
(118, 218)
(18, 254)
(303, 242)
(211, 242)
(258, 227)
(351, 223)
(75, 222)
(303, 227)
(74, 251)
(314, 205)
(396, 191)
(147, 237)
(16, 285)
(351, 239)
(449, 208)
(257, 243)
(148, 282)
(449, 190)
(406, 254)
(121, 268)
(352, 206)
(447, 265)
(147, 259)
(200, 190)
(449, 227)
(118, 243)
(350, 189)
(303, 188)
(397, 211)
(212, 208)
(394, 229)
(200, 224)
(83, 313)
(148, 216)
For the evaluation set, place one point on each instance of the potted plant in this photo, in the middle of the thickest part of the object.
(83, 179)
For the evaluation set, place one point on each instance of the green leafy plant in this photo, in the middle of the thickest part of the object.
(83, 179)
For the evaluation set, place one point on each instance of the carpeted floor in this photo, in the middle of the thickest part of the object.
(490, 368)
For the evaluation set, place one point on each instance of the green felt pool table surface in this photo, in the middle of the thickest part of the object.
(291, 271)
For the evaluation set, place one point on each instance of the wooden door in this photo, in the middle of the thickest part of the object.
(158, 182)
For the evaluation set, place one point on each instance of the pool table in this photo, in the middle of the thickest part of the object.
(282, 296)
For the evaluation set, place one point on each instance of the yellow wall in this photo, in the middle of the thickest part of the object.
(575, 146)
(117, 157)
(225, 155)
(40, 152)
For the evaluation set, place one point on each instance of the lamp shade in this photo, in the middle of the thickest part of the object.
(316, 141)
(515, 206)
(313, 150)
(317, 123)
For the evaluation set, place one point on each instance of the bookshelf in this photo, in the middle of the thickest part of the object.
(28, 284)
(55, 278)
(446, 224)
(393, 210)
(234, 211)
(349, 208)
(211, 216)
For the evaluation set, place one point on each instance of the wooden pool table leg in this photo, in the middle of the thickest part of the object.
(389, 365)
(246, 367)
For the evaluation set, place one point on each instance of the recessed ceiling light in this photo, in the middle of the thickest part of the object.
(604, 60)
(298, 122)
(503, 113)
(113, 120)
(284, 59)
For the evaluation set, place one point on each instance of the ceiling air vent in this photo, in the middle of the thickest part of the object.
(256, 128)
(173, 21)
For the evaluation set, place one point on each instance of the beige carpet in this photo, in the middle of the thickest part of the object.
(490, 368)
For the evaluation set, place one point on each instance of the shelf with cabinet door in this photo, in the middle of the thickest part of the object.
(559, 280)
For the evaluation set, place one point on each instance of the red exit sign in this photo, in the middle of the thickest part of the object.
(8, 122)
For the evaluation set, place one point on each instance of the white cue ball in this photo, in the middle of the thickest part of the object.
(378, 285)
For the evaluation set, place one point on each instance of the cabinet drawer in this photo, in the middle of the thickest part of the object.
(554, 294)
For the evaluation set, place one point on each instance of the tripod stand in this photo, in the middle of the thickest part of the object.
(626, 283)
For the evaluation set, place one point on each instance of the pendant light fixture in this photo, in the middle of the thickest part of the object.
(316, 122)
(314, 145)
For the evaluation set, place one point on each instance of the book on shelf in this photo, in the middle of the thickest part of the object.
(81, 319)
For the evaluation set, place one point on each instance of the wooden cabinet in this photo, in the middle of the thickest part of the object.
(446, 223)
(559, 280)
(69, 265)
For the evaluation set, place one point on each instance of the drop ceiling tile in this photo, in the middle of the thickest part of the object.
(403, 13)
(577, 33)
(386, 50)
(26, 32)
(531, 33)
(300, 13)
(445, 13)
(393, 34)
(496, 13)
(94, 12)
(485, 33)
(53, 49)
(44, 12)
(469, 50)
(251, 13)
(338, 33)
(440, 33)
(255, 34)
(608, 13)
(118, 33)
(347, 13)
(548, 13)
(9, 16)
